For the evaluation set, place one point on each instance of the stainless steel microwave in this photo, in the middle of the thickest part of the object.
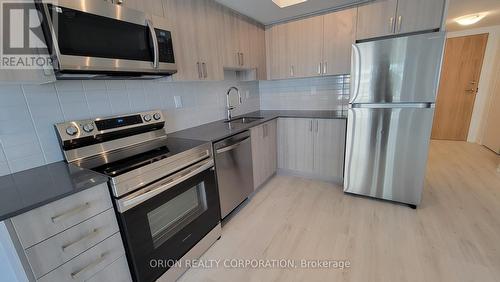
(94, 38)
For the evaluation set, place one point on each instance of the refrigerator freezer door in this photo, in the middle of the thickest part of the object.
(398, 70)
(387, 152)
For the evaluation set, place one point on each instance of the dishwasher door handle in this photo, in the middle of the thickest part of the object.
(232, 147)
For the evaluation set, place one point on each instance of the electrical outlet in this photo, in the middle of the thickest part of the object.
(313, 90)
(178, 102)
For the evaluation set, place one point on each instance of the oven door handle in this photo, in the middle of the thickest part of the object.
(145, 194)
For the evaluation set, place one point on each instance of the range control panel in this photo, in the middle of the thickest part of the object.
(90, 128)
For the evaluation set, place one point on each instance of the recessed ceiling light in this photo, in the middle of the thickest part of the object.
(287, 3)
(470, 19)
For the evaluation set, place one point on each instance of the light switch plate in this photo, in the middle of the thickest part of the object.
(178, 102)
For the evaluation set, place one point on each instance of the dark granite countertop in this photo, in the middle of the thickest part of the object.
(219, 130)
(26, 190)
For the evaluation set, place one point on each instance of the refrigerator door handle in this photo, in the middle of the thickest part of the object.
(393, 106)
(356, 67)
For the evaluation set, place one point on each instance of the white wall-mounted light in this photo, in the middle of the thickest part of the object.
(287, 3)
(470, 19)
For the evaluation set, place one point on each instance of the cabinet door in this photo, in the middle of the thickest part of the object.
(208, 17)
(339, 35)
(258, 155)
(152, 7)
(376, 19)
(295, 144)
(230, 44)
(307, 39)
(329, 147)
(278, 52)
(419, 15)
(185, 37)
(244, 35)
(271, 133)
(258, 51)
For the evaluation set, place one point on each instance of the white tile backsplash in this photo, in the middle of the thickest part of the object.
(321, 93)
(28, 112)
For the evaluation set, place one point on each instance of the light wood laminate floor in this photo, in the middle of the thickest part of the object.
(453, 236)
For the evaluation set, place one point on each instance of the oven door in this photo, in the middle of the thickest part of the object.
(96, 37)
(163, 222)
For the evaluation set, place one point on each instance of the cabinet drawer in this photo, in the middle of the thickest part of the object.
(116, 271)
(41, 223)
(59, 249)
(88, 264)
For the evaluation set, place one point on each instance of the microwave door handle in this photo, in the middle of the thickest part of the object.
(156, 51)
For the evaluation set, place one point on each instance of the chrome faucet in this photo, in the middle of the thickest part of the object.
(229, 107)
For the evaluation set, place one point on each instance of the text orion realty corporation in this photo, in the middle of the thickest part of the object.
(22, 43)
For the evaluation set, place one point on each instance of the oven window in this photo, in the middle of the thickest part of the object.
(171, 217)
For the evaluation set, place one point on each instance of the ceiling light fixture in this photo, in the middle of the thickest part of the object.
(287, 3)
(470, 19)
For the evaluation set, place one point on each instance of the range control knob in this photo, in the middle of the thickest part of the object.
(148, 118)
(71, 130)
(88, 127)
(157, 116)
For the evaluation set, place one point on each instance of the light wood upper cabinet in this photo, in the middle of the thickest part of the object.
(152, 7)
(311, 47)
(376, 19)
(230, 44)
(417, 15)
(339, 35)
(196, 24)
(388, 17)
(307, 34)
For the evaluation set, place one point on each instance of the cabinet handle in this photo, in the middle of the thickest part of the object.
(200, 76)
(325, 68)
(320, 67)
(242, 59)
(71, 213)
(311, 125)
(205, 73)
(391, 25)
(77, 274)
(292, 72)
(317, 126)
(400, 21)
(87, 237)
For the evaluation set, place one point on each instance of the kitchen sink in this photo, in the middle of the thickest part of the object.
(244, 120)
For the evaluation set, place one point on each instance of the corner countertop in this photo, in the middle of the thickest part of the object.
(219, 130)
(26, 190)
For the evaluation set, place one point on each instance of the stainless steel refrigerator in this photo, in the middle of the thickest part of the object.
(393, 90)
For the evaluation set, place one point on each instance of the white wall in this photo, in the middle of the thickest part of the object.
(488, 74)
(28, 112)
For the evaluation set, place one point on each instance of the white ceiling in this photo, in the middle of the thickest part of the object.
(266, 12)
(460, 8)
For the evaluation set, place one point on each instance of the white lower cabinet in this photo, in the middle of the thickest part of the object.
(264, 152)
(312, 147)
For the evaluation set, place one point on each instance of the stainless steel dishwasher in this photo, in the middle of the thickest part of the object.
(233, 161)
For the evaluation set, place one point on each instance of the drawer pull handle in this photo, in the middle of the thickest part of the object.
(87, 237)
(70, 213)
(76, 275)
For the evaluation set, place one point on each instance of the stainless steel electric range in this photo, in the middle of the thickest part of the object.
(164, 189)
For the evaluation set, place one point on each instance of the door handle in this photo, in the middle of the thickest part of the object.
(200, 76)
(71, 213)
(311, 125)
(292, 71)
(473, 91)
(242, 59)
(320, 67)
(391, 25)
(317, 126)
(325, 67)
(156, 51)
(87, 237)
(204, 69)
(400, 21)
